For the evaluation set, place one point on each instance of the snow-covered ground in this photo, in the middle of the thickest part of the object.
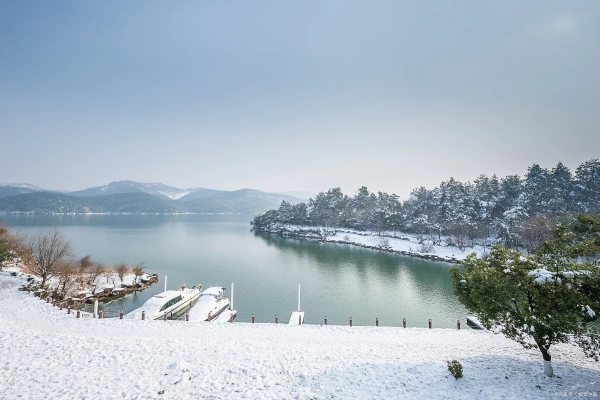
(403, 243)
(46, 354)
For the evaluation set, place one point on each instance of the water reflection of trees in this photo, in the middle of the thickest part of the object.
(432, 276)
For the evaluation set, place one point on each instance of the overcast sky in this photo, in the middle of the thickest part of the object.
(282, 96)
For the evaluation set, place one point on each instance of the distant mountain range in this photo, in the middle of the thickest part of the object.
(136, 197)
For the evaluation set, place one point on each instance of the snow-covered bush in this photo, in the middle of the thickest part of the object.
(455, 369)
(426, 248)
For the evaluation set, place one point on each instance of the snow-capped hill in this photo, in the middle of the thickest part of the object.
(22, 186)
(156, 189)
(11, 189)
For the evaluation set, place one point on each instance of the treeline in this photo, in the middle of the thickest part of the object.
(513, 211)
(239, 201)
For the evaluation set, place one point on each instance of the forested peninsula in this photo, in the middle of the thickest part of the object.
(513, 211)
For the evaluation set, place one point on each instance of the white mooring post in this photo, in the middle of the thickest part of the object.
(165, 283)
(231, 302)
(297, 316)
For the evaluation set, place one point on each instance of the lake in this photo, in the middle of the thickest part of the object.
(337, 281)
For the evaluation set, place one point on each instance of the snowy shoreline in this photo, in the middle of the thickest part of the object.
(398, 243)
(49, 354)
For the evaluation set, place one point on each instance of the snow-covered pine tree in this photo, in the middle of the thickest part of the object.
(538, 300)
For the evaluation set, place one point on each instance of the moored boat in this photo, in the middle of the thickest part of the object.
(211, 304)
(474, 322)
(170, 302)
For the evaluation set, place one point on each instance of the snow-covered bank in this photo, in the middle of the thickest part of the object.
(400, 243)
(47, 354)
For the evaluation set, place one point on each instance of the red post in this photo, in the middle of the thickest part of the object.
(209, 316)
(458, 324)
(53, 303)
(326, 320)
(100, 314)
(78, 313)
(187, 316)
(429, 323)
(404, 322)
(165, 317)
(350, 321)
(252, 318)
(231, 317)
(69, 310)
(299, 319)
(376, 321)
(121, 313)
(61, 306)
(143, 315)
(276, 319)
(47, 299)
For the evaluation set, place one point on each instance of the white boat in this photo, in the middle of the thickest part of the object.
(169, 302)
(211, 304)
(474, 322)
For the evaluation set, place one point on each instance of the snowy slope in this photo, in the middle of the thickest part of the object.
(47, 354)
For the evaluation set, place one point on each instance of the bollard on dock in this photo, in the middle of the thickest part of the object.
(350, 321)
(326, 320)
(143, 315)
(429, 323)
(78, 313)
(376, 321)
(165, 317)
(458, 324)
(100, 314)
(404, 322)
(299, 319)
(276, 319)
(61, 306)
(47, 299)
(187, 316)
(121, 313)
(252, 318)
(68, 309)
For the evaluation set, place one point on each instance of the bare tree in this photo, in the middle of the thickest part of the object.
(66, 272)
(459, 233)
(535, 230)
(46, 250)
(138, 269)
(85, 263)
(121, 269)
(94, 271)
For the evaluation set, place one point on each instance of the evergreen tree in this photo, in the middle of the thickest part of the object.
(561, 194)
(536, 300)
(587, 186)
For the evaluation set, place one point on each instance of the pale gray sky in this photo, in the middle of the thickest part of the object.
(305, 95)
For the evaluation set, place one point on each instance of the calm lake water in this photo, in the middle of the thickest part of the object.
(338, 281)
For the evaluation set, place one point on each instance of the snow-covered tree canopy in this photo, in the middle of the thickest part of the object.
(515, 212)
(538, 300)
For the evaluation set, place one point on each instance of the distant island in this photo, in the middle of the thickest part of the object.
(449, 221)
(136, 197)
